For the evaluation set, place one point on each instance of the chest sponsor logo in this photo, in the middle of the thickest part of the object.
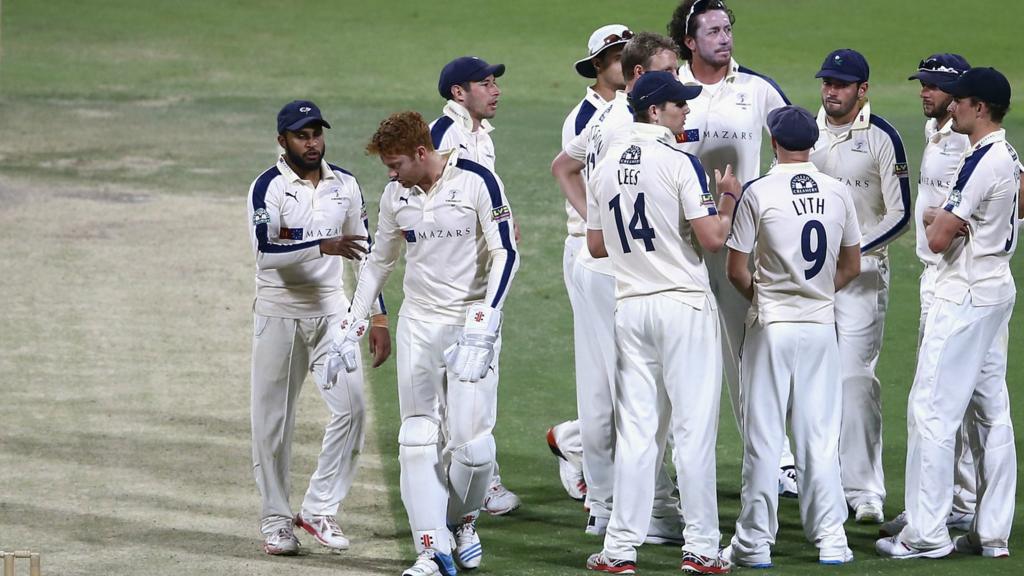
(410, 235)
(260, 216)
(854, 183)
(729, 134)
(291, 233)
(803, 184)
(692, 135)
(901, 169)
(501, 213)
(631, 157)
(934, 182)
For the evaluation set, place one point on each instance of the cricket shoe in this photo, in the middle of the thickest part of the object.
(432, 563)
(965, 545)
(665, 530)
(468, 551)
(697, 564)
(787, 482)
(601, 563)
(282, 542)
(596, 526)
(835, 556)
(893, 527)
(325, 529)
(893, 547)
(730, 557)
(570, 474)
(500, 500)
(869, 512)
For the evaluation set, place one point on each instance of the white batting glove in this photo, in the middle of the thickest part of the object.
(343, 352)
(471, 356)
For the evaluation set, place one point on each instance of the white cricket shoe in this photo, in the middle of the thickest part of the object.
(596, 526)
(787, 482)
(325, 529)
(869, 512)
(571, 474)
(730, 557)
(431, 563)
(964, 545)
(282, 542)
(468, 551)
(500, 500)
(835, 556)
(893, 547)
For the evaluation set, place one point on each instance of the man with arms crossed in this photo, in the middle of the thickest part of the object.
(724, 127)
(649, 204)
(455, 222)
(304, 213)
(595, 288)
(604, 64)
(961, 365)
(943, 150)
(866, 153)
(790, 361)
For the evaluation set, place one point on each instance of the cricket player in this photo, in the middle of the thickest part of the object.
(594, 309)
(961, 364)
(943, 150)
(452, 216)
(790, 360)
(724, 127)
(603, 63)
(866, 153)
(304, 214)
(649, 204)
(469, 86)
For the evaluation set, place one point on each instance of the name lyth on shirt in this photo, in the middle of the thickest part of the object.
(804, 206)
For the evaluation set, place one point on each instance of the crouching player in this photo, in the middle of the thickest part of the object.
(790, 359)
(460, 256)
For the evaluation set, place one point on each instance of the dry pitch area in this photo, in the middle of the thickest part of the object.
(124, 397)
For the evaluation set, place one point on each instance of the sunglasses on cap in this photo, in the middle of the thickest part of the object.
(933, 65)
(613, 38)
(700, 7)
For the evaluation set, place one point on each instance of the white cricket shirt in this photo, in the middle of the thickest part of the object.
(454, 130)
(869, 158)
(644, 193)
(794, 219)
(985, 196)
(574, 124)
(459, 246)
(943, 150)
(288, 218)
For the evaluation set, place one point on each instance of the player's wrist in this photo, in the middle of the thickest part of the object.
(379, 321)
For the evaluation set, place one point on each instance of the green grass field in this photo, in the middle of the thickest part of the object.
(176, 100)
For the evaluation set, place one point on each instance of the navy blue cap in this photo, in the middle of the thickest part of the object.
(656, 87)
(297, 114)
(844, 64)
(986, 84)
(465, 69)
(940, 68)
(793, 128)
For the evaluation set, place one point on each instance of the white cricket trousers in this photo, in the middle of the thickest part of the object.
(570, 441)
(790, 367)
(860, 322)
(961, 368)
(964, 480)
(464, 414)
(284, 351)
(669, 377)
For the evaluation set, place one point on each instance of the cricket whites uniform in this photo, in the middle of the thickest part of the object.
(299, 302)
(454, 129)
(725, 126)
(459, 251)
(961, 365)
(669, 372)
(790, 360)
(868, 156)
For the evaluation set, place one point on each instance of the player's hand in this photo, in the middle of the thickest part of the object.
(964, 230)
(727, 182)
(470, 358)
(515, 231)
(343, 352)
(348, 246)
(380, 344)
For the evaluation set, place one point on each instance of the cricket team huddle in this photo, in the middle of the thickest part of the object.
(684, 265)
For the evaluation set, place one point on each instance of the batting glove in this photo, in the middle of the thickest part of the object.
(343, 352)
(470, 357)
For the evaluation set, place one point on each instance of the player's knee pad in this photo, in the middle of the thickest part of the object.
(476, 453)
(418, 431)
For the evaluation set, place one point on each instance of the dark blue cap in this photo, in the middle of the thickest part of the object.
(297, 114)
(986, 84)
(656, 87)
(846, 65)
(465, 69)
(793, 128)
(940, 68)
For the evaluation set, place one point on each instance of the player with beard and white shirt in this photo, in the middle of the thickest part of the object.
(603, 63)
(725, 127)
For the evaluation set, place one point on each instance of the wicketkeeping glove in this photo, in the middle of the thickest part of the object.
(343, 351)
(470, 357)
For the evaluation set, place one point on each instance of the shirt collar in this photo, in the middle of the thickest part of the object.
(594, 97)
(651, 132)
(282, 166)
(934, 132)
(792, 167)
(459, 114)
(446, 173)
(686, 72)
(861, 121)
(992, 138)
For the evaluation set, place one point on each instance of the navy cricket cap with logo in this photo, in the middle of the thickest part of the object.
(793, 128)
(940, 68)
(602, 39)
(465, 69)
(846, 65)
(654, 88)
(986, 84)
(298, 114)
